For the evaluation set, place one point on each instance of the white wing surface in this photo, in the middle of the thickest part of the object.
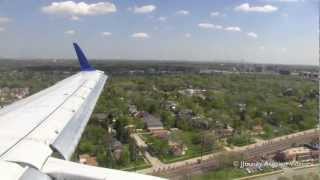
(51, 122)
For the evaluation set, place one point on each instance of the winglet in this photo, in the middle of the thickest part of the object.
(84, 64)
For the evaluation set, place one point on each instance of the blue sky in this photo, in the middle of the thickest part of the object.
(262, 31)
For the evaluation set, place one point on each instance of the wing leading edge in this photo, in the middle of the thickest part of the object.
(32, 129)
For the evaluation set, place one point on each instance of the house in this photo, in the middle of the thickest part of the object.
(200, 122)
(177, 149)
(132, 109)
(185, 114)
(117, 148)
(170, 106)
(257, 130)
(154, 125)
(139, 114)
(88, 160)
(224, 132)
(193, 121)
(193, 92)
(294, 154)
(152, 122)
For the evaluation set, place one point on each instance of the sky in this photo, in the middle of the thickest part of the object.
(260, 31)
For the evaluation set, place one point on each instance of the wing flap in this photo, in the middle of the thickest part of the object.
(20, 119)
(69, 138)
(11, 171)
(29, 152)
(61, 169)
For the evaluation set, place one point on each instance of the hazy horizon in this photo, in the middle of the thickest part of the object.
(257, 31)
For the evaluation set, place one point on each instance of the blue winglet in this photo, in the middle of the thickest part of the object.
(84, 64)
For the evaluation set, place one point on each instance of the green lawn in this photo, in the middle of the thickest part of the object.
(194, 150)
(190, 153)
(137, 167)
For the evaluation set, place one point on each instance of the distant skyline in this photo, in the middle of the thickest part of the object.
(260, 31)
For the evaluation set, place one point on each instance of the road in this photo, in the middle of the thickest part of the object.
(288, 172)
(261, 145)
(154, 161)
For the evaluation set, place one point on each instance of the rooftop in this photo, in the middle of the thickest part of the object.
(152, 121)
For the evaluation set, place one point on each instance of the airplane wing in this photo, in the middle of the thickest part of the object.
(39, 134)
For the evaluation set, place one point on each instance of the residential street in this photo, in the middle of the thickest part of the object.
(157, 165)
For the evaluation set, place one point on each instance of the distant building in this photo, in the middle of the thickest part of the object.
(309, 75)
(193, 92)
(284, 71)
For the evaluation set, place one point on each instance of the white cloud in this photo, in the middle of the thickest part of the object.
(264, 9)
(144, 9)
(183, 12)
(233, 28)
(4, 20)
(140, 35)
(262, 48)
(79, 9)
(162, 19)
(214, 14)
(187, 35)
(252, 34)
(105, 34)
(70, 32)
(209, 26)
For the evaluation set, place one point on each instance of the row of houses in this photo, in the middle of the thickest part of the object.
(155, 126)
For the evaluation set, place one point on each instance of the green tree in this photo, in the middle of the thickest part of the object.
(121, 131)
